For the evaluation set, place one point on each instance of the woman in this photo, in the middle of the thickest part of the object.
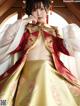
(35, 75)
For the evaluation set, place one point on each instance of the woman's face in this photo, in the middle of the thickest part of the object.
(39, 13)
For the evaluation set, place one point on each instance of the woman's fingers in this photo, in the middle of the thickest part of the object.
(33, 19)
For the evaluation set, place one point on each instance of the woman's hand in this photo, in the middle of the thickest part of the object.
(32, 19)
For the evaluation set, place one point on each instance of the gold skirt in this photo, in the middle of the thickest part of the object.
(38, 84)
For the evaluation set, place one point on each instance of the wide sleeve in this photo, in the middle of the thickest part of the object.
(71, 36)
(11, 38)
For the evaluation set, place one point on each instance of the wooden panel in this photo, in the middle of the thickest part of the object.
(75, 9)
(2, 1)
(67, 15)
(6, 5)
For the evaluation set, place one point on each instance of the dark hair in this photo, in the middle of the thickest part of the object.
(30, 4)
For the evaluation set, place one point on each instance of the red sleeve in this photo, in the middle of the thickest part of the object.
(22, 43)
(60, 45)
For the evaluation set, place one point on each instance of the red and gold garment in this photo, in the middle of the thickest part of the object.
(39, 82)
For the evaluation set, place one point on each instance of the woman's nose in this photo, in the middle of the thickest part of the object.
(38, 12)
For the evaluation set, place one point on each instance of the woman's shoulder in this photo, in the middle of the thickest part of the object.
(55, 28)
(51, 29)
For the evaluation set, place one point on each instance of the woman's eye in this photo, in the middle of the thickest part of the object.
(42, 8)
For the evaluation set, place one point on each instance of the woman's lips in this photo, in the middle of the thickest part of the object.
(39, 18)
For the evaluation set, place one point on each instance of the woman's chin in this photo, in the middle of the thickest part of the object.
(41, 21)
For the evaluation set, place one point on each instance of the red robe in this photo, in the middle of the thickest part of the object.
(55, 46)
